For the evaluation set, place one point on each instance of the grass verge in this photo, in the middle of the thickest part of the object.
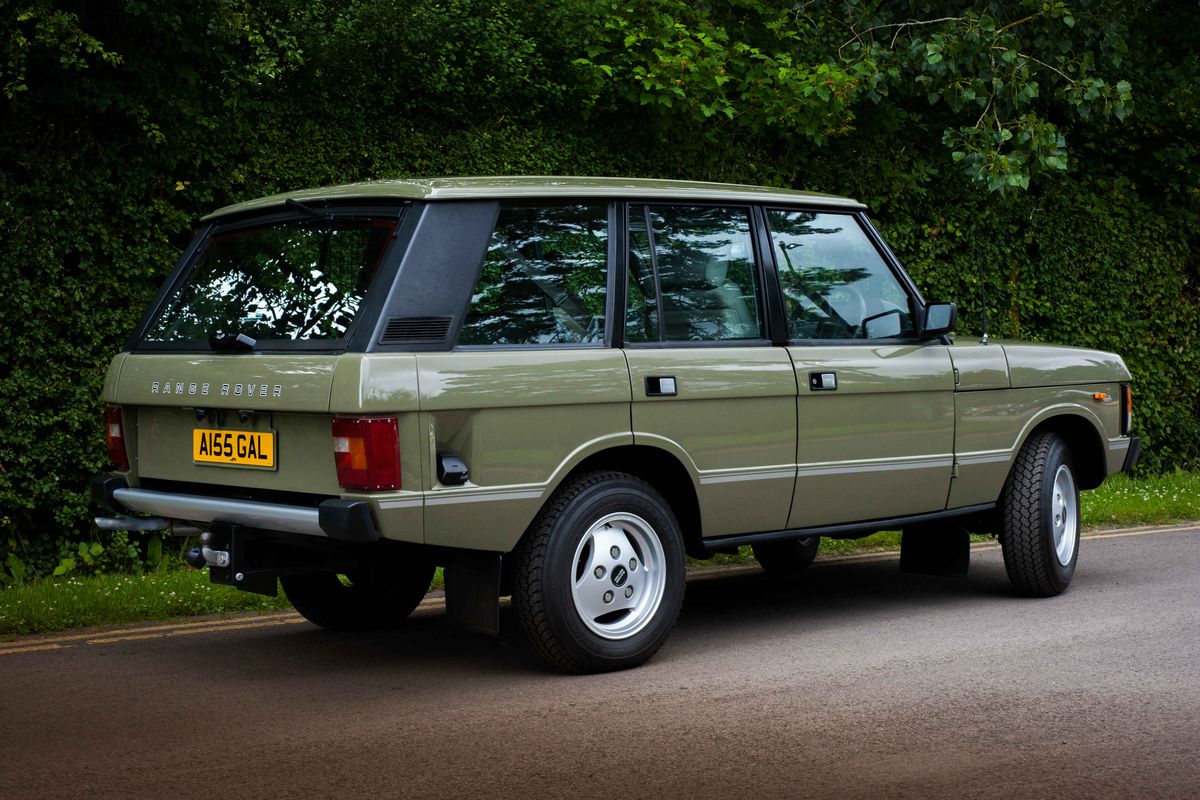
(52, 605)
(73, 602)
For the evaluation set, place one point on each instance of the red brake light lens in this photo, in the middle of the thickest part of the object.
(114, 437)
(366, 452)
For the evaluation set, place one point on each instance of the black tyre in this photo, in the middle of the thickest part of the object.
(786, 560)
(598, 579)
(1040, 510)
(378, 596)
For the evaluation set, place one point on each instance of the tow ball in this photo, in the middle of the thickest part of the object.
(202, 555)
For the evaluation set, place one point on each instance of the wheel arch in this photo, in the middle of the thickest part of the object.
(662, 470)
(1083, 439)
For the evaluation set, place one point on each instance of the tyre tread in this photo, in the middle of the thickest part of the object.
(529, 601)
(1026, 558)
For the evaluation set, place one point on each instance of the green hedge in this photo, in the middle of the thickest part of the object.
(124, 124)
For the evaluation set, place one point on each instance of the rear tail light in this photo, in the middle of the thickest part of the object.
(1126, 409)
(366, 452)
(114, 437)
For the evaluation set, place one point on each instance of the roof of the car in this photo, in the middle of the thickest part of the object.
(511, 187)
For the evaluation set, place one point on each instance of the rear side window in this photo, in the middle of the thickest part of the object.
(298, 281)
(544, 278)
(835, 283)
(691, 275)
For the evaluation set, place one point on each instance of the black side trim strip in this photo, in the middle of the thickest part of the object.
(867, 527)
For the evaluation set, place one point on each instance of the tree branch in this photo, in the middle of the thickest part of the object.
(1064, 75)
(899, 25)
(1013, 24)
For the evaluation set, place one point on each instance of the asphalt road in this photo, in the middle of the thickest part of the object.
(857, 682)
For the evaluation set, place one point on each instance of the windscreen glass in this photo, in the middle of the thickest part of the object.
(297, 281)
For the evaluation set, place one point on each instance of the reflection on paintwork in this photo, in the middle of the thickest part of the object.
(979, 366)
(870, 370)
(894, 406)
(304, 380)
(1055, 365)
(375, 384)
(736, 410)
(502, 378)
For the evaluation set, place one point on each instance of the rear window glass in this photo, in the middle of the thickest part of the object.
(543, 279)
(297, 281)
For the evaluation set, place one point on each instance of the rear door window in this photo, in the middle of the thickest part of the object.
(692, 275)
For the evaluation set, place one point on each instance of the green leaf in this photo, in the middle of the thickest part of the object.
(154, 550)
(16, 567)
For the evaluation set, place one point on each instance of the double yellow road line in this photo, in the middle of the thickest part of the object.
(248, 622)
(150, 632)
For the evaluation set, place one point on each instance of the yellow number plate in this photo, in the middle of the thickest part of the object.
(236, 448)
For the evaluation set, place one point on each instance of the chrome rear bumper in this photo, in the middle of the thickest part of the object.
(196, 508)
(344, 520)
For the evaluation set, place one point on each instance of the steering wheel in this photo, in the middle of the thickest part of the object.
(849, 306)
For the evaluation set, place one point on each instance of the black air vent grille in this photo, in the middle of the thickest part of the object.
(415, 329)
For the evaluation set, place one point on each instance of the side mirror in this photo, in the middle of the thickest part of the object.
(940, 319)
(882, 326)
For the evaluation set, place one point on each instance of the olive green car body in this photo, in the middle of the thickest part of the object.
(746, 447)
(887, 446)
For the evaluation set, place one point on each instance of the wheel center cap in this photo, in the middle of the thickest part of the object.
(619, 576)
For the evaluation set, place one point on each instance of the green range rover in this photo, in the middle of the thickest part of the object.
(558, 387)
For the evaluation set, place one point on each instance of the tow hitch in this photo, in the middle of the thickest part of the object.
(203, 555)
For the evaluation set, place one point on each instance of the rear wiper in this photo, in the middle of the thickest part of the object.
(231, 342)
(328, 215)
(308, 210)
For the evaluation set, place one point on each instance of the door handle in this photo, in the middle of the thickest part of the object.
(661, 386)
(822, 381)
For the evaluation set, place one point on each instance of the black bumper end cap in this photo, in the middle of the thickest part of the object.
(1133, 453)
(348, 521)
(103, 487)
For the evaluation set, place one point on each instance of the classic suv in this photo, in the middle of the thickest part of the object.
(558, 387)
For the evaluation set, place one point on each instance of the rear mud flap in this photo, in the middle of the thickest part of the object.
(935, 551)
(473, 591)
(234, 540)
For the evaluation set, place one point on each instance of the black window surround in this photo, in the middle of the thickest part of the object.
(768, 308)
(383, 300)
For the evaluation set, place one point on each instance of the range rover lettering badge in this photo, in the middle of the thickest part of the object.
(227, 389)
